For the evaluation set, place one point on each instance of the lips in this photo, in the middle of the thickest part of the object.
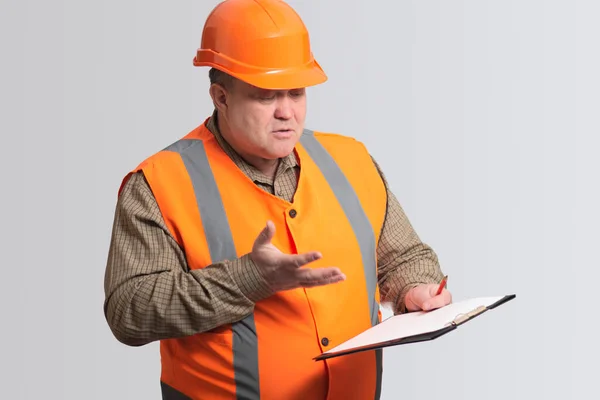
(283, 133)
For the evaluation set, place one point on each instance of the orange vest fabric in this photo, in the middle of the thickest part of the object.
(215, 212)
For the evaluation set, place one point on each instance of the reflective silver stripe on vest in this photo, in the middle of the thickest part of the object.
(221, 247)
(348, 200)
(379, 372)
(356, 215)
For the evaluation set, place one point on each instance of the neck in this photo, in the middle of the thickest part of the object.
(265, 166)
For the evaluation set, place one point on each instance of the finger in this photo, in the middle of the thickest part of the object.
(320, 276)
(438, 301)
(299, 260)
(424, 292)
(433, 288)
(266, 235)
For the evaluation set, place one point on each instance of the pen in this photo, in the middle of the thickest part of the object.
(442, 285)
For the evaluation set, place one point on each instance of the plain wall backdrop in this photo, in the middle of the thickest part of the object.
(483, 114)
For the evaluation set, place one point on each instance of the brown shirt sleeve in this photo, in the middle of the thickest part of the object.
(150, 292)
(404, 261)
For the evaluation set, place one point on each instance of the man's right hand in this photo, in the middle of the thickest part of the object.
(286, 271)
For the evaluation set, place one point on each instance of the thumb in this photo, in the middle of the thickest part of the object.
(433, 288)
(266, 235)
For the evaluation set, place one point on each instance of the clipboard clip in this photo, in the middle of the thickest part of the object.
(462, 318)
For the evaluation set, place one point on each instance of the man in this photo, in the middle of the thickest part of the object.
(252, 244)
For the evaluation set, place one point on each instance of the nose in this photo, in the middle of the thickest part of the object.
(284, 109)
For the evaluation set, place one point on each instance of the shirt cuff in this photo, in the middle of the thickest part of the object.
(249, 279)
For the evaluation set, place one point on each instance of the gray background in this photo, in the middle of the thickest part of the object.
(483, 114)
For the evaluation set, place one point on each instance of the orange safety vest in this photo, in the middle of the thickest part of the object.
(215, 212)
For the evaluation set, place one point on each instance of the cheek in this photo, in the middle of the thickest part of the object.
(244, 117)
(300, 111)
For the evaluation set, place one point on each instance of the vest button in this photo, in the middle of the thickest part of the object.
(325, 341)
(293, 213)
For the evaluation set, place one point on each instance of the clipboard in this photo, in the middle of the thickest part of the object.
(421, 326)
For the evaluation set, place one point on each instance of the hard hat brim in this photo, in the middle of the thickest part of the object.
(307, 75)
(287, 80)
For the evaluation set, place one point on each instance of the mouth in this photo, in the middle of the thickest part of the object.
(283, 133)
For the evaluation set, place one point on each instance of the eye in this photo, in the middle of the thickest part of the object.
(265, 95)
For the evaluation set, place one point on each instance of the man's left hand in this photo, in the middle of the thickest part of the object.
(423, 297)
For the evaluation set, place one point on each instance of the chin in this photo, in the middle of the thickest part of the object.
(280, 150)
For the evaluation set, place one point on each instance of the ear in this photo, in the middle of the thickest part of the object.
(219, 96)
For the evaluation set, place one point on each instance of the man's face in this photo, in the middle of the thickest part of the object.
(264, 123)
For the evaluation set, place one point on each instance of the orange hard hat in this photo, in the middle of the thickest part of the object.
(261, 42)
